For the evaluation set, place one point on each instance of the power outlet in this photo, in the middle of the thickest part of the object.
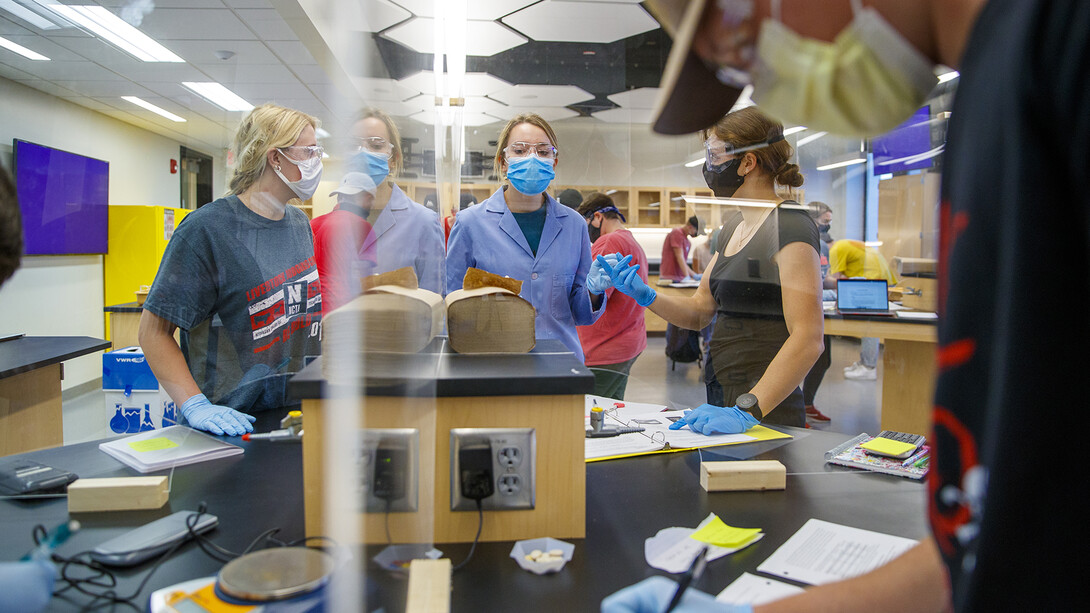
(389, 470)
(512, 452)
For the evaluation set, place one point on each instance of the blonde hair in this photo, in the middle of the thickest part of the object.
(531, 118)
(265, 128)
(749, 127)
(397, 161)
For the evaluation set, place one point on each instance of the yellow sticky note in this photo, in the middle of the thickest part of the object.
(720, 534)
(887, 446)
(152, 444)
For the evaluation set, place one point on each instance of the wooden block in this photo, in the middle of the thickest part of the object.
(402, 277)
(489, 320)
(477, 278)
(743, 475)
(117, 494)
(429, 586)
(388, 318)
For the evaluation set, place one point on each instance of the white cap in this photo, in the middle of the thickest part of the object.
(354, 183)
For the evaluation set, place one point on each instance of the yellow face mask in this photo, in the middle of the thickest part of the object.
(866, 82)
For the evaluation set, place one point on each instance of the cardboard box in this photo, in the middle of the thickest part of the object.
(134, 401)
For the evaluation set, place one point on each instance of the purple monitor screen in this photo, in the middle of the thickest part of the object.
(906, 147)
(64, 199)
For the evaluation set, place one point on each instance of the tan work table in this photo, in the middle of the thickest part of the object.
(907, 369)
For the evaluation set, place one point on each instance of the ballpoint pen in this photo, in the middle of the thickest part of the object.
(695, 570)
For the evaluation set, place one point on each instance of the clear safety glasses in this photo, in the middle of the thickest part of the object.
(374, 144)
(303, 154)
(521, 150)
(717, 154)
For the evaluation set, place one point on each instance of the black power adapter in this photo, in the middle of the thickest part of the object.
(391, 465)
(475, 471)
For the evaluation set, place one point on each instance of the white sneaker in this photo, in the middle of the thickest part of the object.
(862, 374)
(855, 366)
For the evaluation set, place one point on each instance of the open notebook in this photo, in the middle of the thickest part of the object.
(161, 449)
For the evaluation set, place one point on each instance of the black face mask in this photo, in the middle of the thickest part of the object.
(725, 181)
(595, 233)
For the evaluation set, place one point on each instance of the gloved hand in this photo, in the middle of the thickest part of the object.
(710, 419)
(628, 282)
(599, 279)
(201, 414)
(26, 586)
(653, 594)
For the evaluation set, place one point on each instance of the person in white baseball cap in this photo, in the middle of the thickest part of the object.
(338, 238)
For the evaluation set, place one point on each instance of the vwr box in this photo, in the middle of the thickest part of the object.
(134, 401)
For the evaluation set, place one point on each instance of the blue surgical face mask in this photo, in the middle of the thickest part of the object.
(374, 165)
(530, 175)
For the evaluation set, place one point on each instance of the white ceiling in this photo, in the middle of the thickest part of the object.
(276, 52)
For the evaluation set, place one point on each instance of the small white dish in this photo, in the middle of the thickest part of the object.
(523, 549)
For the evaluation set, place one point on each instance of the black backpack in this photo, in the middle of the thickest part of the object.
(682, 345)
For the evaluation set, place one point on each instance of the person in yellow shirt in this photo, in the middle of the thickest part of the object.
(848, 259)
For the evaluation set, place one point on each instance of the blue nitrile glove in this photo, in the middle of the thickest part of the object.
(599, 279)
(203, 415)
(628, 282)
(26, 586)
(653, 594)
(710, 419)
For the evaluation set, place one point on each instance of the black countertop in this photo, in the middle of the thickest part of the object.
(26, 353)
(628, 500)
(439, 371)
(127, 307)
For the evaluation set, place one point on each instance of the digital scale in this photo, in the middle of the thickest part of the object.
(277, 580)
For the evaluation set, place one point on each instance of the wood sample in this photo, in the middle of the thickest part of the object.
(489, 320)
(743, 475)
(402, 277)
(117, 494)
(385, 319)
(429, 586)
(476, 278)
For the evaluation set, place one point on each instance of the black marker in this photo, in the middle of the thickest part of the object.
(694, 572)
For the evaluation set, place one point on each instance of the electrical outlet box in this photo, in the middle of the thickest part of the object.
(512, 454)
(389, 469)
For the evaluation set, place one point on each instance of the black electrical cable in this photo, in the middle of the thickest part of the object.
(473, 548)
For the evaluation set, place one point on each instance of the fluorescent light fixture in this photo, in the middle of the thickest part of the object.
(27, 15)
(806, 140)
(21, 50)
(117, 31)
(851, 162)
(949, 76)
(218, 95)
(793, 130)
(697, 162)
(610, 192)
(140, 102)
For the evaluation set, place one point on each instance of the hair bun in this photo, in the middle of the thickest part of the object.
(789, 175)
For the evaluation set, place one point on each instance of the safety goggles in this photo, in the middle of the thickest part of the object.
(303, 154)
(374, 144)
(520, 149)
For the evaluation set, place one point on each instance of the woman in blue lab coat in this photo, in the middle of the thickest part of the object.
(523, 233)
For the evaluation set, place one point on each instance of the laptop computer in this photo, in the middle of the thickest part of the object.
(862, 297)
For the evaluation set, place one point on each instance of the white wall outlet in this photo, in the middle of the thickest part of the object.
(513, 454)
(389, 466)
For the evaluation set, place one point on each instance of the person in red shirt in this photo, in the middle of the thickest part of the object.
(675, 251)
(613, 343)
(338, 237)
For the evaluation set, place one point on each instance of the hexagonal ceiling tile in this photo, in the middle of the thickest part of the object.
(384, 90)
(624, 115)
(590, 22)
(541, 95)
(640, 98)
(476, 83)
(549, 113)
(483, 38)
(468, 118)
(475, 9)
(371, 16)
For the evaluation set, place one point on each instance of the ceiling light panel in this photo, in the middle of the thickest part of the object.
(476, 83)
(144, 104)
(483, 38)
(15, 47)
(586, 22)
(27, 15)
(640, 98)
(541, 95)
(476, 9)
(111, 28)
(219, 95)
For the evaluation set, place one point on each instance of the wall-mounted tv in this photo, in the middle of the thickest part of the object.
(906, 147)
(64, 198)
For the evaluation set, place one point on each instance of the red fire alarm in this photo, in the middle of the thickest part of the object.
(174, 167)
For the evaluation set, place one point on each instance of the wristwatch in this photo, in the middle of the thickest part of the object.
(748, 403)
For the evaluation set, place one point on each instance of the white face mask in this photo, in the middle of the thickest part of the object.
(310, 171)
(864, 83)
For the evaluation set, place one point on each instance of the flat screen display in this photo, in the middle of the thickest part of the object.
(906, 147)
(64, 198)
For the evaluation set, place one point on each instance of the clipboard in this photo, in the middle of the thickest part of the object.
(852, 455)
(658, 438)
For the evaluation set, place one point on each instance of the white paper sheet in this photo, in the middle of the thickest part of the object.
(822, 552)
(753, 590)
(673, 551)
